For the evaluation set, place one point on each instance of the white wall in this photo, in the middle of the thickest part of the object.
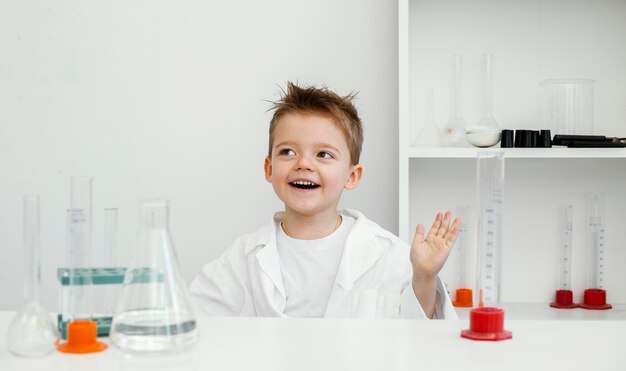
(162, 98)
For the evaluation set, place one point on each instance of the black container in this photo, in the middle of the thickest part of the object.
(544, 139)
(507, 139)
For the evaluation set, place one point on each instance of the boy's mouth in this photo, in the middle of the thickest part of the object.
(304, 184)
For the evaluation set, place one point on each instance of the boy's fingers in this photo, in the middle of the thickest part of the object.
(453, 233)
(419, 233)
(443, 229)
(436, 225)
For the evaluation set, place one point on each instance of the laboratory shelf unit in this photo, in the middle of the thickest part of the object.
(529, 45)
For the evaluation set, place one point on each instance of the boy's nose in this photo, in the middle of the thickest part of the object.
(304, 163)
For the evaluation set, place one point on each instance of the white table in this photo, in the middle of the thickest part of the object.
(323, 345)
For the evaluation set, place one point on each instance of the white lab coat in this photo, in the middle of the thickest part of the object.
(374, 272)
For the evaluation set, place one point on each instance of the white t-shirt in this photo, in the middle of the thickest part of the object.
(309, 269)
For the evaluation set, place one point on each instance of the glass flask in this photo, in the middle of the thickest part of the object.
(430, 134)
(154, 312)
(32, 332)
(487, 319)
(454, 130)
(564, 295)
(487, 132)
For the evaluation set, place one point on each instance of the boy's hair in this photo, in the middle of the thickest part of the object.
(312, 99)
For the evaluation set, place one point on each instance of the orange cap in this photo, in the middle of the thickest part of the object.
(463, 298)
(82, 338)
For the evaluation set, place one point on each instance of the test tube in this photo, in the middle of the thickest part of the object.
(595, 294)
(487, 319)
(110, 246)
(564, 295)
(464, 293)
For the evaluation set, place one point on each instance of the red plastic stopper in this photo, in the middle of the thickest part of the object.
(487, 324)
(463, 298)
(564, 300)
(82, 338)
(595, 299)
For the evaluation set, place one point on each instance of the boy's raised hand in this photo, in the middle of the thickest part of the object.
(428, 254)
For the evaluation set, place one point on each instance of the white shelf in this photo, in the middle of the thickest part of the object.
(555, 152)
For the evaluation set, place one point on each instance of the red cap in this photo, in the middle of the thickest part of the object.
(595, 299)
(463, 298)
(564, 300)
(82, 338)
(487, 324)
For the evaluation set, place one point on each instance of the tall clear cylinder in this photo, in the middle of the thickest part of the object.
(595, 240)
(32, 332)
(463, 261)
(565, 265)
(154, 312)
(490, 176)
(110, 257)
(454, 130)
(79, 248)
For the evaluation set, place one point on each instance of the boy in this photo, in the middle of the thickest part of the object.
(312, 261)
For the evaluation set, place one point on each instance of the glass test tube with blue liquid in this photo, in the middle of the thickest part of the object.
(595, 293)
(564, 297)
(487, 319)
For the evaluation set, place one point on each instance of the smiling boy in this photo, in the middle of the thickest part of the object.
(312, 260)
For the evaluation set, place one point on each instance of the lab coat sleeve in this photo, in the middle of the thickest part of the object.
(220, 289)
(411, 308)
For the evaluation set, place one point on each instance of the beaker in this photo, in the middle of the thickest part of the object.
(567, 106)
(487, 320)
(463, 293)
(32, 332)
(487, 132)
(429, 135)
(454, 130)
(595, 294)
(77, 307)
(154, 312)
(564, 295)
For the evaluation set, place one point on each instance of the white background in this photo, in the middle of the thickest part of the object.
(168, 98)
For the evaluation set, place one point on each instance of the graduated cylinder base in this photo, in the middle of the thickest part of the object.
(486, 324)
(463, 298)
(564, 300)
(595, 299)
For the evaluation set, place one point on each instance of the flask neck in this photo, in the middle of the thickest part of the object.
(32, 249)
(155, 214)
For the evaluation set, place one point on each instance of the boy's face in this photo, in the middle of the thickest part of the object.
(310, 164)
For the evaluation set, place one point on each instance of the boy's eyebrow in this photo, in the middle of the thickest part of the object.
(292, 143)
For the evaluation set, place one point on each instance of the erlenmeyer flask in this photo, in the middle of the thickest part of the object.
(430, 134)
(32, 333)
(454, 130)
(154, 312)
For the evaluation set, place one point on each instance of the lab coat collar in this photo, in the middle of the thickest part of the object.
(361, 251)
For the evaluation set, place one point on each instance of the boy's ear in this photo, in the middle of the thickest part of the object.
(355, 176)
(267, 166)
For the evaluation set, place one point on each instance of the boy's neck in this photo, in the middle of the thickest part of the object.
(310, 227)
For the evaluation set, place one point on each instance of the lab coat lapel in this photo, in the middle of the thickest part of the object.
(269, 274)
(361, 252)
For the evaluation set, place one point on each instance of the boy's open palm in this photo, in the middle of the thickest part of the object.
(428, 254)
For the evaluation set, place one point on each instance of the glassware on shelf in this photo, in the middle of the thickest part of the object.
(77, 305)
(564, 297)
(111, 292)
(32, 332)
(454, 130)
(487, 319)
(430, 134)
(463, 293)
(567, 106)
(487, 132)
(595, 294)
(154, 312)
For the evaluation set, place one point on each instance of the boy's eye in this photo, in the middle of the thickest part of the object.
(325, 154)
(286, 152)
